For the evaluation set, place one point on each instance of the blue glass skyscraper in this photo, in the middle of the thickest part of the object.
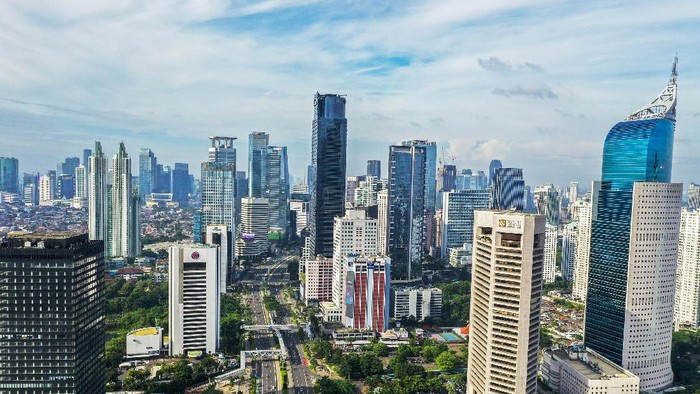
(630, 295)
(406, 209)
(495, 164)
(256, 141)
(430, 171)
(328, 170)
(9, 174)
(507, 189)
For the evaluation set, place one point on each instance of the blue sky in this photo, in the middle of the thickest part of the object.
(536, 84)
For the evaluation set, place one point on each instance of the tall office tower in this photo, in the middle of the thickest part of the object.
(9, 175)
(193, 278)
(351, 184)
(430, 171)
(30, 189)
(420, 303)
(406, 212)
(353, 234)
(505, 307)
(383, 221)
(458, 208)
(80, 182)
(310, 178)
(634, 244)
(255, 226)
(274, 185)
(52, 174)
(164, 179)
(46, 192)
(573, 192)
(328, 158)
(583, 253)
(568, 250)
(529, 204)
(507, 189)
(221, 236)
(218, 194)
(550, 253)
(52, 325)
(367, 290)
(222, 150)
(147, 173)
(66, 186)
(547, 203)
(493, 166)
(374, 168)
(256, 141)
(97, 195)
(69, 165)
(182, 186)
(123, 227)
(686, 310)
(446, 178)
(467, 180)
(693, 196)
(86, 159)
(241, 191)
(302, 214)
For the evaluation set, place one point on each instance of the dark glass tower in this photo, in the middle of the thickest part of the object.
(256, 141)
(638, 149)
(406, 219)
(9, 174)
(182, 187)
(495, 164)
(52, 323)
(327, 177)
(508, 189)
(374, 168)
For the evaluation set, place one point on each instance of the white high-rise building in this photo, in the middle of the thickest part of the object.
(383, 216)
(550, 254)
(573, 192)
(194, 306)
(46, 189)
(583, 253)
(302, 214)
(568, 250)
(97, 195)
(651, 273)
(80, 182)
(255, 226)
(123, 228)
(693, 196)
(505, 305)
(220, 235)
(353, 234)
(686, 310)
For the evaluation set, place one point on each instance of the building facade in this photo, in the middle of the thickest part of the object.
(275, 185)
(686, 310)
(147, 172)
(458, 217)
(505, 306)
(550, 253)
(634, 244)
(255, 226)
(406, 211)
(328, 170)
(420, 303)
(507, 189)
(318, 286)
(193, 308)
(568, 250)
(256, 141)
(430, 171)
(367, 290)
(583, 253)
(123, 223)
(52, 328)
(374, 168)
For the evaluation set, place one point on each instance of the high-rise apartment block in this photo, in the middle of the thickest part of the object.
(194, 307)
(507, 189)
(583, 253)
(52, 327)
(46, 192)
(354, 234)
(686, 311)
(419, 303)
(97, 195)
(30, 189)
(550, 253)
(505, 305)
(367, 291)
(634, 244)
(568, 250)
(383, 221)
(693, 196)
(123, 224)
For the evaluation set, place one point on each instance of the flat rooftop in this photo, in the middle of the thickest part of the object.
(605, 368)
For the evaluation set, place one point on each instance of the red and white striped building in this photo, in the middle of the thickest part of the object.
(366, 302)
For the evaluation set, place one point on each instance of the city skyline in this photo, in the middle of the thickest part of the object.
(444, 87)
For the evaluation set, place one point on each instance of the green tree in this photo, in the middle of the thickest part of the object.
(380, 349)
(326, 385)
(545, 338)
(447, 361)
(135, 379)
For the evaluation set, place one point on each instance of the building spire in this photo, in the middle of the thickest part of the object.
(664, 105)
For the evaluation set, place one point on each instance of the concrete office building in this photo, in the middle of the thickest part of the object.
(505, 306)
(194, 308)
(52, 327)
(417, 302)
